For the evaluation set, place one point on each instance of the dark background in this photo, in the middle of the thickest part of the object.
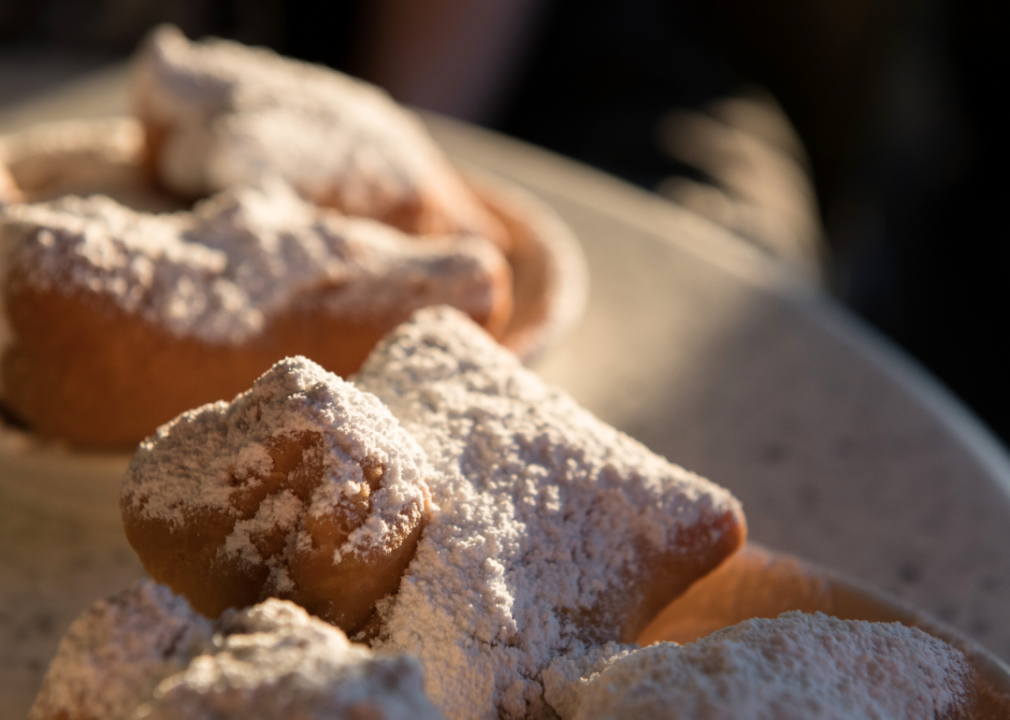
(897, 103)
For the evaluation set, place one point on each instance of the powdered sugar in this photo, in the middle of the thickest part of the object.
(241, 258)
(542, 522)
(115, 653)
(275, 662)
(544, 513)
(213, 459)
(568, 675)
(541, 519)
(233, 115)
(792, 668)
(146, 654)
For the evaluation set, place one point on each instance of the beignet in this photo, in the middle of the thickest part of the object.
(554, 531)
(219, 115)
(118, 320)
(302, 488)
(794, 667)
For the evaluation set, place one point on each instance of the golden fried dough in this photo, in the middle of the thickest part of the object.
(118, 320)
(219, 114)
(302, 488)
(550, 531)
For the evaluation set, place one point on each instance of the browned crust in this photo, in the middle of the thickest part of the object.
(83, 370)
(665, 576)
(340, 589)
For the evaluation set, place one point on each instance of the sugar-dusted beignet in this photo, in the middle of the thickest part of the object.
(145, 654)
(219, 114)
(301, 488)
(794, 667)
(555, 530)
(120, 320)
(274, 662)
(117, 651)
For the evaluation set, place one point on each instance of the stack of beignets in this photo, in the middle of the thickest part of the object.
(333, 217)
(549, 540)
(548, 529)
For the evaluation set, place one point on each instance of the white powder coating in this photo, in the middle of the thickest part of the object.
(566, 677)
(791, 668)
(234, 114)
(145, 654)
(223, 272)
(201, 460)
(275, 662)
(541, 507)
(117, 651)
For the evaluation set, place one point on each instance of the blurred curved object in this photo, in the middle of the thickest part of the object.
(454, 57)
(760, 187)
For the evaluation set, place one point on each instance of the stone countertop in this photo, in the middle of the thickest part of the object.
(842, 450)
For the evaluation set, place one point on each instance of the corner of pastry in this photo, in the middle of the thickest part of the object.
(302, 488)
(462, 516)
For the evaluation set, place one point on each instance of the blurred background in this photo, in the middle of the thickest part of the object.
(857, 141)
